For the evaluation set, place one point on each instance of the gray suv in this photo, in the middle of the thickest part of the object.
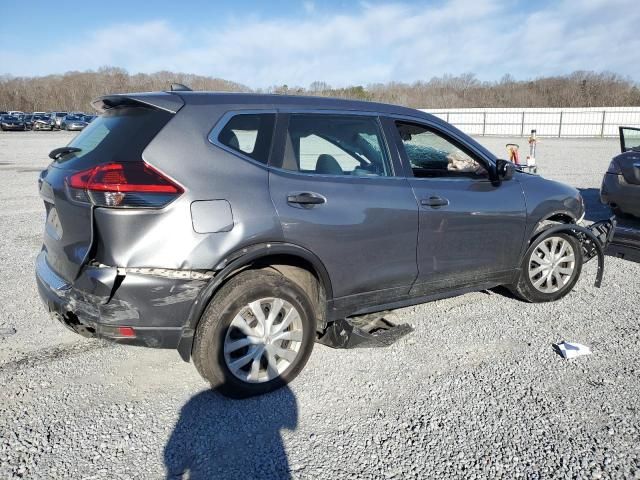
(238, 228)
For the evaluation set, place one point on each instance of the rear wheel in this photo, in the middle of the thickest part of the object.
(256, 335)
(550, 269)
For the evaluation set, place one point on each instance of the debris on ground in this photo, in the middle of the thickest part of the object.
(7, 332)
(572, 350)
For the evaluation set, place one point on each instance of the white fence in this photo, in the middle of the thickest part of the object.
(548, 122)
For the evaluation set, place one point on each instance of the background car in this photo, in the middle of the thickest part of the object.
(90, 118)
(73, 122)
(621, 183)
(28, 121)
(42, 122)
(12, 122)
(57, 117)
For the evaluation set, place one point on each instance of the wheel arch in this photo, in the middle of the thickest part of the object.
(557, 217)
(549, 220)
(293, 261)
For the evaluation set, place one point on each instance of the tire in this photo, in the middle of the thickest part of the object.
(218, 329)
(533, 284)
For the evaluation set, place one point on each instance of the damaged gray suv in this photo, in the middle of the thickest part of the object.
(241, 228)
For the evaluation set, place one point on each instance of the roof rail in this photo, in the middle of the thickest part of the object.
(178, 87)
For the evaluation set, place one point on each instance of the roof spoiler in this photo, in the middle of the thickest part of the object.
(161, 100)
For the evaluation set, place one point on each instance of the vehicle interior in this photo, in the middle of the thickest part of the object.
(340, 145)
(432, 155)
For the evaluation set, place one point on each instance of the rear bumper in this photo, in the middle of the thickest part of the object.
(617, 193)
(104, 299)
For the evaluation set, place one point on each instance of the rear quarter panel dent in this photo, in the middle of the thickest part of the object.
(166, 238)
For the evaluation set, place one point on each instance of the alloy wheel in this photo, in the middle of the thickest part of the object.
(263, 340)
(552, 264)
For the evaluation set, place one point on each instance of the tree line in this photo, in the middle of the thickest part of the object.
(73, 91)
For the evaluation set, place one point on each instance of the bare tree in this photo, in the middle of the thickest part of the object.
(73, 91)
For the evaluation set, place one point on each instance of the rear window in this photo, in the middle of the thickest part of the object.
(118, 135)
(249, 134)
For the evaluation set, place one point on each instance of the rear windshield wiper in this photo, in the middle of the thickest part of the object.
(58, 152)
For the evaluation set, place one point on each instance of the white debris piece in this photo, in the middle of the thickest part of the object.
(572, 350)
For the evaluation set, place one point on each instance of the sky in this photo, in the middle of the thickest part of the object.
(265, 43)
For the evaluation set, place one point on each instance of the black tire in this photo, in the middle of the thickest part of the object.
(239, 291)
(524, 288)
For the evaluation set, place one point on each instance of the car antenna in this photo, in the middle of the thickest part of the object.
(178, 87)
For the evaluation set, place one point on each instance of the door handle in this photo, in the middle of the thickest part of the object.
(434, 202)
(306, 198)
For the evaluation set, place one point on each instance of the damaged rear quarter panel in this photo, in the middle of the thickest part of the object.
(166, 238)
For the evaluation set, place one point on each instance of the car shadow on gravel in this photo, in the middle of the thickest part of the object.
(221, 438)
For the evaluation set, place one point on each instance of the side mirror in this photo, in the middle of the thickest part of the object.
(505, 169)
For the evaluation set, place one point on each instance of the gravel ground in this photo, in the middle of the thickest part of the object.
(476, 391)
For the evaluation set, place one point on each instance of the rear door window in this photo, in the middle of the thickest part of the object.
(249, 134)
(331, 144)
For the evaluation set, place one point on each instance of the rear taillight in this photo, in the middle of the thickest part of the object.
(614, 168)
(126, 184)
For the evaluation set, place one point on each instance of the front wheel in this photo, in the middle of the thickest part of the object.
(256, 335)
(550, 269)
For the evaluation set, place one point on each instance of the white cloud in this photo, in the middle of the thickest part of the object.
(377, 43)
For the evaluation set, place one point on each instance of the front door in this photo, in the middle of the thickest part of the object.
(337, 194)
(471, 231)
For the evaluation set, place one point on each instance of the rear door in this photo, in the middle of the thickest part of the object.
(119, 135)
(471, 231)
(337, 193)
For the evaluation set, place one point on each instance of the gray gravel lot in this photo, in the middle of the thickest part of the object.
(476, 391)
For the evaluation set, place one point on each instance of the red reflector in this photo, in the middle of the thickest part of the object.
(126, 332)
(134, 177)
